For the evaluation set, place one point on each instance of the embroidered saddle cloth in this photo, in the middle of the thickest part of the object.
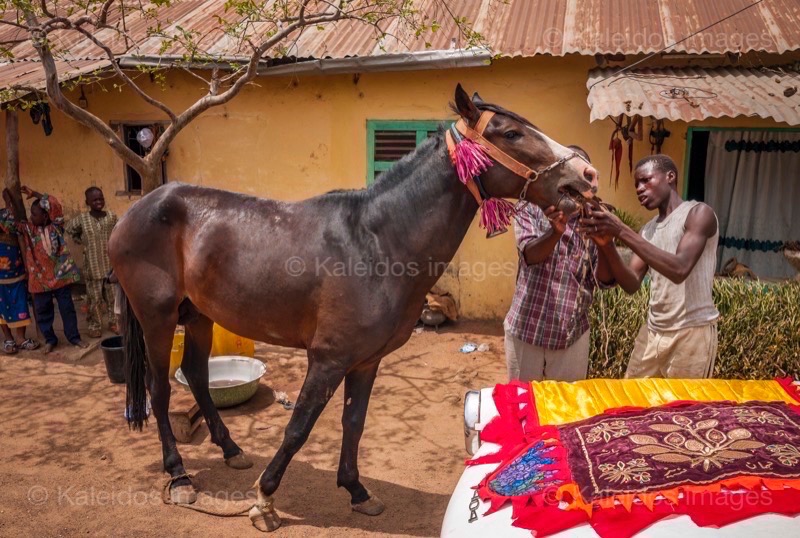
(625, 468)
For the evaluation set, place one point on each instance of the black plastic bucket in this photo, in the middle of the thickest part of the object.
(114, 357)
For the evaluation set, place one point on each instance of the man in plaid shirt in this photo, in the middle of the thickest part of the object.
(547, 327)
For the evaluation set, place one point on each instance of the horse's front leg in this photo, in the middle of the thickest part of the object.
(323, 378)
(197, 346)
(357, 390)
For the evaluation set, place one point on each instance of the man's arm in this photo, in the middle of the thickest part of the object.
(629, 277)
(539, 249)
(701, 224)
(30, 193)
(610, 267)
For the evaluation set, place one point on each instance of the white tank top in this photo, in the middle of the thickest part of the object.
(689, 304)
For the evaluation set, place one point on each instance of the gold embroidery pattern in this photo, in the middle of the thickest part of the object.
(607, 431)
(786, 454)
(750, 416)
(623, 472)
(696, 444)
(706, 449)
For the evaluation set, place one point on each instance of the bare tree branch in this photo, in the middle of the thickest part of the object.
(147, 98)
(63, 104)
(256, 28)
(103, 16)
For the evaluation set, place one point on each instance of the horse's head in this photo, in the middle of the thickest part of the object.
(533, 166)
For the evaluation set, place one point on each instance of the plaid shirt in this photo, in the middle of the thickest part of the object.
(551, 301)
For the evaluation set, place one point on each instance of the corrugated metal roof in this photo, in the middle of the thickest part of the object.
(517, 28)
(27, 74)
(588, 27)
(691, 94)
(513, 28)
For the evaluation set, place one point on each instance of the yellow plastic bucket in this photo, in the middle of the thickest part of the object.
(225, 342)
(176, 355)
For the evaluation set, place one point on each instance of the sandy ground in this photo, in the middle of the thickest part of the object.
(70, 466)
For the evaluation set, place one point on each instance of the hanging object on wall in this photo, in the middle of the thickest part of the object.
(41, 112)
(145, 137)
(657, 135)
(630, 132)
(615, 146)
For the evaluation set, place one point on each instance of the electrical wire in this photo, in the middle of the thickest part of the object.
(673, 44)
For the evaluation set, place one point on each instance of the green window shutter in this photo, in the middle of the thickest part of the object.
(389, 141)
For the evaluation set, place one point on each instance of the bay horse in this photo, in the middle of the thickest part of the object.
(261, 268)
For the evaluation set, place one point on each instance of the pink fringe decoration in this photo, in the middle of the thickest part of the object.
(496, 215)
(470, 160)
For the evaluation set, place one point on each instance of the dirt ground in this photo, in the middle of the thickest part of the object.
(70, 466)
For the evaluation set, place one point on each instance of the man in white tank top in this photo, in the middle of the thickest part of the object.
(678, 247)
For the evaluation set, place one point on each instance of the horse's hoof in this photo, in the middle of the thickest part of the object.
(183, 495)
(372, 506)
(239, 461)
(264, 519)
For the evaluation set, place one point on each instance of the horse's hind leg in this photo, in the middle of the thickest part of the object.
(357, 389)
(323, 378)
(158, 334)
(197, 345)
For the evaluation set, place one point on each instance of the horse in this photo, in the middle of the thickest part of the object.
(273, 271)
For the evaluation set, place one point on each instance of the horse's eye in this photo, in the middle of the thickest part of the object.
(511, 135)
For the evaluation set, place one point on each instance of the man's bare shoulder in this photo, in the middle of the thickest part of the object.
(701, 218)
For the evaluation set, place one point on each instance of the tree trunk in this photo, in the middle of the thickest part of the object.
(12, 157)
(152, 177)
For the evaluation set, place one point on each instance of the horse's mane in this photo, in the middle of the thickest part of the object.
(403, 169)
(406, 169)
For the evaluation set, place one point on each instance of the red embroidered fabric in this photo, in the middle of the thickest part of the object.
(715, 462)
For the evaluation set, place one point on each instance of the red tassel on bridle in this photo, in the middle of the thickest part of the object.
(471, 160)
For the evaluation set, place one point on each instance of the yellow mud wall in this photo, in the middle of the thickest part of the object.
(294, 137)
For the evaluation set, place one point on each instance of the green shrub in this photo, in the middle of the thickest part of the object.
(759, 329)
(629, 219)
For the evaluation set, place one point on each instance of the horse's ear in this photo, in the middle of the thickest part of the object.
(477, 99)
(466, 108)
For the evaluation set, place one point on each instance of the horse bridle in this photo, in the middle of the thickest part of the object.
(476, 135)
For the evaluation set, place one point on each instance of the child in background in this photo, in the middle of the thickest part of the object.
(92, 230)
(51, 269)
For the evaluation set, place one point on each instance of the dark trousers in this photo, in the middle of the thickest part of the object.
(45, 314)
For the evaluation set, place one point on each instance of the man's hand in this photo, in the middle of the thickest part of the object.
(601, 240)
(558, 220)
(601, 225)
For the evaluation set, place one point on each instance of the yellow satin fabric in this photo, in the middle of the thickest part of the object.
(559, 402)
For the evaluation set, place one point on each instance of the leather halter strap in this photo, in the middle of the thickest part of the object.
(476, 135)
(494, 152)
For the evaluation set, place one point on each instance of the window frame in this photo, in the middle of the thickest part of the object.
(422, 128)
(119, 126)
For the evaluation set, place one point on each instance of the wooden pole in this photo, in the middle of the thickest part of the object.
(12, 158)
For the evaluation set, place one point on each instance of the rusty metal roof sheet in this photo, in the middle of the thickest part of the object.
(692, 94)
(514, 28)
(558, 27)
(25, 76)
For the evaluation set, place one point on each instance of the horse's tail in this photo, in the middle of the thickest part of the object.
(135, 367)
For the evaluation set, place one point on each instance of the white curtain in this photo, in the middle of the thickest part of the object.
(756, 195)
